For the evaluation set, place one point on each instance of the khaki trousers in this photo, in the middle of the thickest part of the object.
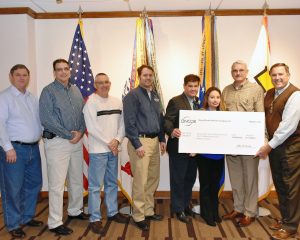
(64, 161)
(243, 174)
(145, 173)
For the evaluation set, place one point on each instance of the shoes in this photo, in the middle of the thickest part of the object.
(97, 227)
(154, 217)
(245, 221)
(17, 233)
(188, 211)
(217, 219)
(282, 234)
(62, 230)
(119, 218)
(182, 217)
(232, 215)
(81, 216)
(142, 225)
(276, 226)
(209, 222)
(34, 223)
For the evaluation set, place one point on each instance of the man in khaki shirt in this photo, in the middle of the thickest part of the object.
(243, 96)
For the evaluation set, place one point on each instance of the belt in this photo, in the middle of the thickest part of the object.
(25, 143)
(48, 135)
(151, 135)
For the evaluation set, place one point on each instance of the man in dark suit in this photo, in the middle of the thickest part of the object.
(183, 167)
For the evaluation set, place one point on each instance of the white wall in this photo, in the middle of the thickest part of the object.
(109, 42)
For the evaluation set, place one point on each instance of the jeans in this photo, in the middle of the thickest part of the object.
(103, 168)
(20, 183)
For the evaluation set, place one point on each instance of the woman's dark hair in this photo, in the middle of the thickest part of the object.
(207, 93)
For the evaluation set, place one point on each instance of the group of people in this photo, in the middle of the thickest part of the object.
(61, 117)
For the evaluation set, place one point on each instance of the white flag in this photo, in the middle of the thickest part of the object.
(259, 72)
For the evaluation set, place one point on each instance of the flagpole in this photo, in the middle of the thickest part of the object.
(261, 211)
(265, 7)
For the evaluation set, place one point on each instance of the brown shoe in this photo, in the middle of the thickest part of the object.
(282, 234)
(276, 226)
(232, 215)
(97, 227)
(245, 221)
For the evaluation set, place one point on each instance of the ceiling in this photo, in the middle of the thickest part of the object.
(41, 6)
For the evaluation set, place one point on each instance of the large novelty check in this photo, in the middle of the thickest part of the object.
(218, 132)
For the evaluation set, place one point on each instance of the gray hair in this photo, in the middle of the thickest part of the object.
(240, 62)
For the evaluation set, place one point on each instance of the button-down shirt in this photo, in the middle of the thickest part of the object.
(290, 119)
(142, 115)
(19, 117)
(61, 109)
(248, 98)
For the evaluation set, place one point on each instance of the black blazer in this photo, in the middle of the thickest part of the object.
(172, 119)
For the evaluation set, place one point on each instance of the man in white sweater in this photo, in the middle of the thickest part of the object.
(105, 125)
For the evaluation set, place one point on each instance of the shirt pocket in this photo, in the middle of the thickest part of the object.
(246, 103)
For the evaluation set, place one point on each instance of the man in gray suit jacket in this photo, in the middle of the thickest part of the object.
(183, 167)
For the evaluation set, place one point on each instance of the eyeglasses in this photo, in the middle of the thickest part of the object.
(102, 83)
(66, 69)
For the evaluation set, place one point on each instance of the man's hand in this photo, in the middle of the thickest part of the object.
(162, 148)
(264, 151)
(11, 156)
(76, 137)
(113, 146)
(140, 152)
(176, 133)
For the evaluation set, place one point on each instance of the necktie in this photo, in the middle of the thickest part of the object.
(195, 105)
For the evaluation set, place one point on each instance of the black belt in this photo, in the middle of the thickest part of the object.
(151, 135)
(25, 143)
(48, 135)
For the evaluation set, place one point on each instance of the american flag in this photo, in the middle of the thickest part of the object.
(82, 77)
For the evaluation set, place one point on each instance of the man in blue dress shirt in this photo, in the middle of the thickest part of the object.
(20, 161)
(61, 115)
(144, 128)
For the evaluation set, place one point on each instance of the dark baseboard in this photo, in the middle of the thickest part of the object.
(166, 194)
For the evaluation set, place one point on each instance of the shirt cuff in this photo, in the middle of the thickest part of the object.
(136, 143)
(8, 147)
(273, 144)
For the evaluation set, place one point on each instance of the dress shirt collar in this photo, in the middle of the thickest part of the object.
(17, 93)
(282, 89)
(60, 85)
(240, 86)
(146, 91)
(190, 99)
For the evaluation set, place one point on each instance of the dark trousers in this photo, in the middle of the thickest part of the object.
(210, 173)
(183, 172)
(285, 167)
